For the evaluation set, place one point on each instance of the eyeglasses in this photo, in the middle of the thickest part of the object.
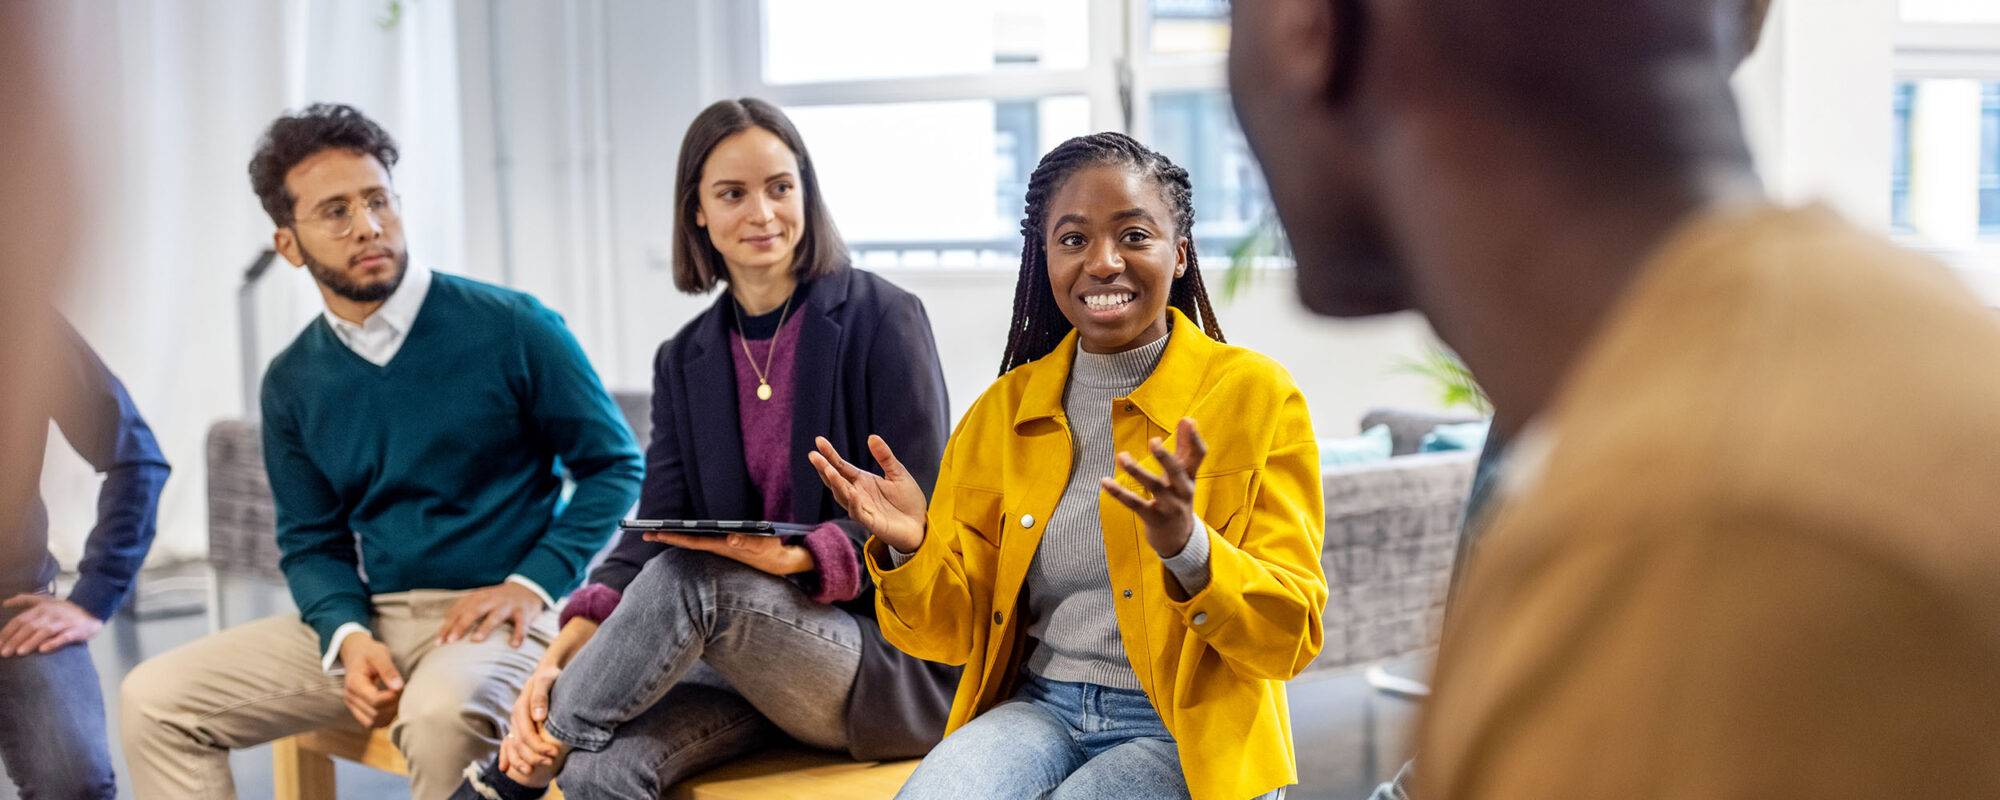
(336, 219)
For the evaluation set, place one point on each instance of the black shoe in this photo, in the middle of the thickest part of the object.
(485, 781)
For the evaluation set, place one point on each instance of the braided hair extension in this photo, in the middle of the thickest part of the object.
(1038, 324)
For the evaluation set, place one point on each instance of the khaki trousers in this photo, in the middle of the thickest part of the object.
(183, 711)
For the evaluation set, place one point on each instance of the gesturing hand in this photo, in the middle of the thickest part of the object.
(1169, 515)
(483, 610)
(766, 553)
(373, 689)
(46, 624)
(891, 505)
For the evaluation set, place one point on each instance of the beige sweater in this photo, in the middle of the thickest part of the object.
(1761, 555)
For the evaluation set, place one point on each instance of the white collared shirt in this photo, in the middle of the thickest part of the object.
(377, 339)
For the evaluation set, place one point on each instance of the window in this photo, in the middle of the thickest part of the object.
(926, 118)
(1989, 160)
(1198, 131)
(1181, 27)
(812, 41)
(1949, 11)
(944, 178)
(1899, 178)
(1945, 171)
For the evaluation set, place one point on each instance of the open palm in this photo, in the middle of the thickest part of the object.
(891, 505)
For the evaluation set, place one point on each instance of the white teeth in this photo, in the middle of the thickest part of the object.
(1107, 300)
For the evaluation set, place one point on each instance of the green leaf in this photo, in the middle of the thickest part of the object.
(395, 16)
(1454, 383)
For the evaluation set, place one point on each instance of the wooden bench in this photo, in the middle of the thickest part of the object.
(303, 770)
(302, 765)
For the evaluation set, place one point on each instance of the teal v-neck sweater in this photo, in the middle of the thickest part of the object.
(439, 470)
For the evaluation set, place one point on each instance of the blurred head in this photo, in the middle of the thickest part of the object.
(38, 214)
(323, 176)
(747, 199)
(1107, 246)
(1345, 101)
(1748, 27)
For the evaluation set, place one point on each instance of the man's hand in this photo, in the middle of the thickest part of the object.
(374, 688)
(766, 553)
(482, 611)
(44, 625)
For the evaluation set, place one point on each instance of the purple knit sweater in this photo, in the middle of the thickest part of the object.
(767, 434)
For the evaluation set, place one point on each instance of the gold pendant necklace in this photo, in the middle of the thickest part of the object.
(763, 383)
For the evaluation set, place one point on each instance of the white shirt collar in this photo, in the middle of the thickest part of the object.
(400, 310)
(378, 337)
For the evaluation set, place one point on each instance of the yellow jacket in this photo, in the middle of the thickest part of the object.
(1213, 664)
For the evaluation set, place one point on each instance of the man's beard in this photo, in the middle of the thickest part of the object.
(335, 279)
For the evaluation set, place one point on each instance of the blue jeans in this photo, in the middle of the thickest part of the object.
(52, 726)
(1057, 740)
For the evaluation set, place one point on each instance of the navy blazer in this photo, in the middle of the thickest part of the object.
(98, 418)
(866, 363)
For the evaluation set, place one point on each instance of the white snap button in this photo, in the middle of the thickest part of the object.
(1027, 520)
(1200, 617)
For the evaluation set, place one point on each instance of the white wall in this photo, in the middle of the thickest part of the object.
(1816, 104)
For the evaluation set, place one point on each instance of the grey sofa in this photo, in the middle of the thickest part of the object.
(1391, 535)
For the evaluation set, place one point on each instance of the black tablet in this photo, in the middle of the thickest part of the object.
(717, 527)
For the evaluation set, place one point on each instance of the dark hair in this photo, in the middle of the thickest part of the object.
(1754, 12)
(296, 137)
(1038, 324)
(697, 265)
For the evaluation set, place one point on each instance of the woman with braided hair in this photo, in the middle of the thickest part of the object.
(1123, 635)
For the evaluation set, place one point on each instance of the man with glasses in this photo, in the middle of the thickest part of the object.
(414, 437)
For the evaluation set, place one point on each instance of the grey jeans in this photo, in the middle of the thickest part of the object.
(704, 659)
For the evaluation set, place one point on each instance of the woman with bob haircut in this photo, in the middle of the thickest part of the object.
(685, 651)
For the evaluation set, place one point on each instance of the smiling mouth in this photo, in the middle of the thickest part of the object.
(1108, 302)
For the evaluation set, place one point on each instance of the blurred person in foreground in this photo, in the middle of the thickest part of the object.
(46, 674)
(52, 740)
(1749, 18)
(1713, 569)
(37, 219)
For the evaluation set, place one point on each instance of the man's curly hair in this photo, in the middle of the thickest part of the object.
(296, 137)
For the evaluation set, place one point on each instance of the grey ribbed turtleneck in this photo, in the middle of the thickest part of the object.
(1071, 616)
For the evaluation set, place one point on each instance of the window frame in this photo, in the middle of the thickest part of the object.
(1119, 78)
(1961, 51)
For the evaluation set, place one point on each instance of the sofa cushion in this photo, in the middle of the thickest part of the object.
(1391, 535)
(1461, 436)
(1407, 428)
(1373, 444)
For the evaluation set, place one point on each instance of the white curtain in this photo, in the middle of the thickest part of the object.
(172, 96)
